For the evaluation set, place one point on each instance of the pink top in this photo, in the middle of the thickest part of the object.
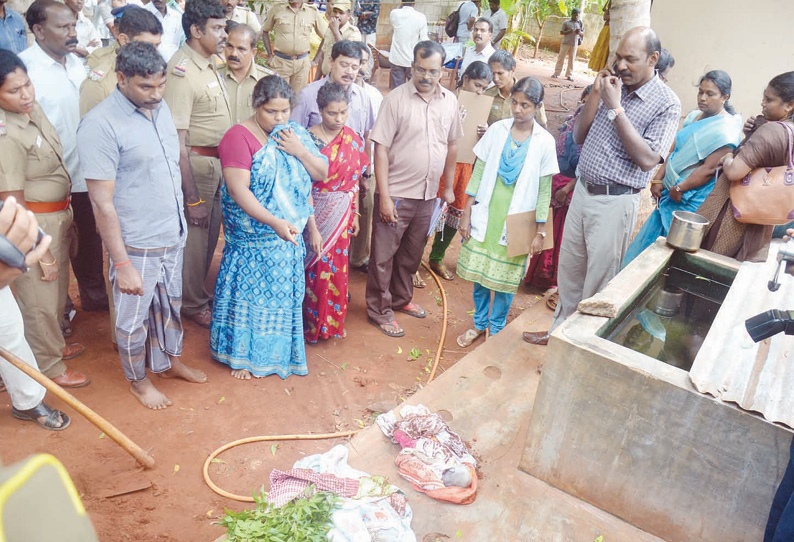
(238, 147)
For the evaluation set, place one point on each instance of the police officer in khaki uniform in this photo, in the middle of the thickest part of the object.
(289, 53)
(241, 15)
(134, 25)
(34, 172)
(340, 28)
(196, 94)
(241, 72)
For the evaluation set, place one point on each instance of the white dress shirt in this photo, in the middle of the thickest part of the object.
(102, 17)
(87, 33)
(173, 34)
(58, 93)
(410, 27)
(471, 55)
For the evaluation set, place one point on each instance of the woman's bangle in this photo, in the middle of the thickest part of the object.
(53, 262)
(357, 214)
(117, 265)
(655, 181)
(199, 202)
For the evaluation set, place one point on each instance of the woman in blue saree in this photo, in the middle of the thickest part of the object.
(686, 179)
(268, 166)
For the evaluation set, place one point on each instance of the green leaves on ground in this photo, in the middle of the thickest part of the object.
(302, 520)
(415, 353)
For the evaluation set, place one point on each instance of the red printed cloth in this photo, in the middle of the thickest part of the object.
(293, 483)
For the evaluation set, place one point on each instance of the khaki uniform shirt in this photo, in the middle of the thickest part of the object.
(501, 108)
(101, 80)
(196, 94)
(349, 32)
(294, 28)
(32, 157)
(240, 93)
(246, 16)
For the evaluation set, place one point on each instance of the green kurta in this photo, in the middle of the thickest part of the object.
(487, 263)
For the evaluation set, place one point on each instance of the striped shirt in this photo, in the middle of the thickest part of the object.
(655, 111)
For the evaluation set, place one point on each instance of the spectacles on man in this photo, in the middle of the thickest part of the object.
(421, 72)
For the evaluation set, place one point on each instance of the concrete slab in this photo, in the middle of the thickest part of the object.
(487, 398)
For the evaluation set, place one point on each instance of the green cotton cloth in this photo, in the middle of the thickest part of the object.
(487, 263)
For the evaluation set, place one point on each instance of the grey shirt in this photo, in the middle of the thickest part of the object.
(573, 37)
(118, 142)
(467, 10)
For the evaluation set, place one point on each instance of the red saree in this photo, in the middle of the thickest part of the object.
(325, 304)
(542, 272)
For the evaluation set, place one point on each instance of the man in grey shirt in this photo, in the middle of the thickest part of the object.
(572, 34)
(130, 154)
(467, 13)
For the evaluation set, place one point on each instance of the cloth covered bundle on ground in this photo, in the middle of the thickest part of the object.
(434, 459)
(371, 509)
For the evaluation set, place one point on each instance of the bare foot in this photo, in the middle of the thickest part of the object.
(148, 395)
(180, 370)
(242, 374)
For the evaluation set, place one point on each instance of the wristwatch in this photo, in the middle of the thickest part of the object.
(612, 114)
(542, 234)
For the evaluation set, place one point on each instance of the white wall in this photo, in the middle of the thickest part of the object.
(751, 40)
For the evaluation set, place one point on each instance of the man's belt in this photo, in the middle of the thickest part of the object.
(212, 152)
(288, 57)
(609, 189)
(48, 206)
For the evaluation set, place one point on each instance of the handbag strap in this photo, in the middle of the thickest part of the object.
(790, 134)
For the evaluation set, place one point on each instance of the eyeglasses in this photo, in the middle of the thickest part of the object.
(421, 72)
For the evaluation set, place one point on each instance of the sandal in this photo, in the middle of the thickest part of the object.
(553, 300)
(392, 329)
(42, 411)
(418, 281)
(412, 309)
(441, 270)
(471, 335)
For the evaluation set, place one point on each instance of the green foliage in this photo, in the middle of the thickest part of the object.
(306, 519)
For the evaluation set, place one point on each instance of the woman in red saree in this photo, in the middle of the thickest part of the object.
(335, 201)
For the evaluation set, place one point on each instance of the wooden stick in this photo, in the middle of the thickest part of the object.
(105, 426)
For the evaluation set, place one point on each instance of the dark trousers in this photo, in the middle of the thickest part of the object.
(780, 526)
(398, 76)
(87, 261)
(394, 257)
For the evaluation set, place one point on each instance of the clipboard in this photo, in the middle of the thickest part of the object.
(522, 229)
(477, 107)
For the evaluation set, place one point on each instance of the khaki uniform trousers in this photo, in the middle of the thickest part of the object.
(201, 242)
(566, 51)
(296, 72)
(360, 245)
(42, 303)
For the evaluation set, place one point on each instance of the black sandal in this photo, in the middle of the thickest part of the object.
(40, 411)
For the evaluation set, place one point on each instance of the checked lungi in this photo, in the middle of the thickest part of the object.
(149, 327)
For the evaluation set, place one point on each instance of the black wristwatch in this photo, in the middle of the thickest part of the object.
(11, 255)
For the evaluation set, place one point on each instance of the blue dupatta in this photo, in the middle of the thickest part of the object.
(280, 181)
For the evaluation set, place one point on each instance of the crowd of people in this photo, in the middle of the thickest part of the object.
(168, 135)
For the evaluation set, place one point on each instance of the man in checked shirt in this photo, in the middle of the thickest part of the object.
(627, 128)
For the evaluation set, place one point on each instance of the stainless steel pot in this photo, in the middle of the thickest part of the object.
(667, 301)
(687, 231)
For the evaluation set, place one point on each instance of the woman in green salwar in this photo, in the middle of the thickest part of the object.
(516, 159)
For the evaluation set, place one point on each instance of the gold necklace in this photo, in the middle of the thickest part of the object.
(256, 121)
(325, 134)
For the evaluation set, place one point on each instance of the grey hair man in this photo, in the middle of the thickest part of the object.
(130, 152)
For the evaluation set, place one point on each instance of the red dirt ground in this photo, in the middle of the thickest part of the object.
(345, 377)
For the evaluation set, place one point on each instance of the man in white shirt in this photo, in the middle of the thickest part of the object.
(482, 48)
(410, 27)
(360, 245)
(88, 38)
(103, 19)
(173, 34)
(57, 74)
(467, 14)
(498, 19)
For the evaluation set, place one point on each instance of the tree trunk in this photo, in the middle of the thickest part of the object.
(540, 35)
(623, 16)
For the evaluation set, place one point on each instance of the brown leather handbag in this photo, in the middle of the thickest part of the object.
(766, 195)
